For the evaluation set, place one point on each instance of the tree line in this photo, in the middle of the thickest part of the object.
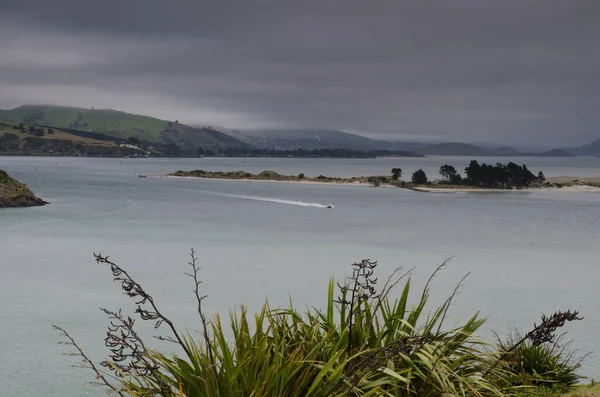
(480, 175)
(35, 131)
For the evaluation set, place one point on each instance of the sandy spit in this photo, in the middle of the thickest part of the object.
(361, 184)
(566, 189)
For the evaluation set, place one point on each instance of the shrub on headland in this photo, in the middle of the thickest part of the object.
(15, 194)
(364, 343)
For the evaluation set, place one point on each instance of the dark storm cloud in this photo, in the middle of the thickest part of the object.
(505, 71)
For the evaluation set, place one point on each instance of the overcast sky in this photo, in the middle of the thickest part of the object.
(503, 71)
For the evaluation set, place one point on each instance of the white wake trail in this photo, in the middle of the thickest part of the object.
(271, 200)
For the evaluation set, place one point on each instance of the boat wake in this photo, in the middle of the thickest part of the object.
(274, 200)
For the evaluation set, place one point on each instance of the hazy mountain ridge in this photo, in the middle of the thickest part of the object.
(122, 125)
(551, 153)
(310, 139)
(590, 149)
(452, 149)
(505, 151)
(462, 149)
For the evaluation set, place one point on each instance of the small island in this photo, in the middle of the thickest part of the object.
(15, 194)
(478, 178)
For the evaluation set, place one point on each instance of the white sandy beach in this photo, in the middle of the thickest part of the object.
(566, 189)
(262, 180)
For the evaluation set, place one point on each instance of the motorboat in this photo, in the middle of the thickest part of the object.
(329, 206)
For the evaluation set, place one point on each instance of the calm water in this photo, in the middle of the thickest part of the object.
(529, 253)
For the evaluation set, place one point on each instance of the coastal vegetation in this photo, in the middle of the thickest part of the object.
(271, 176)
(478, 176)
(367, 340)
(449, 174)
(419, 177)
(498, 176)
(15, 194)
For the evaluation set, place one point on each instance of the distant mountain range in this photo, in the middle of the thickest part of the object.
(452, 149)
(289, 139)
(105, 124)
(310, 139)
(591, 149)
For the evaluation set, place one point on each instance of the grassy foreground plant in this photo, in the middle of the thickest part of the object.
(364, 343)
(547, 365)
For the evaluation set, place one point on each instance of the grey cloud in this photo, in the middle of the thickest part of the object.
(507, 71)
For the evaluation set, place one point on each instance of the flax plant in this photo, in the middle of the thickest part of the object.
(361, 342)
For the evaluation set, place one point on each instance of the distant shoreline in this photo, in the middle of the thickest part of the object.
(568, 187)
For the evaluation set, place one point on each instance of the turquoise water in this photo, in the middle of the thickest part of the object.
(529, 253)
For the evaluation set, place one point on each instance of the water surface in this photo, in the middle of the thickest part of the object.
(529, 253)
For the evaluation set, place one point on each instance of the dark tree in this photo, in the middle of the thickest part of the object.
(50, 131)
(473, 171)
(448, 172)
(396, 173)
(541, 177)
(499, 175)
(419, 177)
(300, 176)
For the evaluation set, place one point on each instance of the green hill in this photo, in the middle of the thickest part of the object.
(121, 125)
(35, 140)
